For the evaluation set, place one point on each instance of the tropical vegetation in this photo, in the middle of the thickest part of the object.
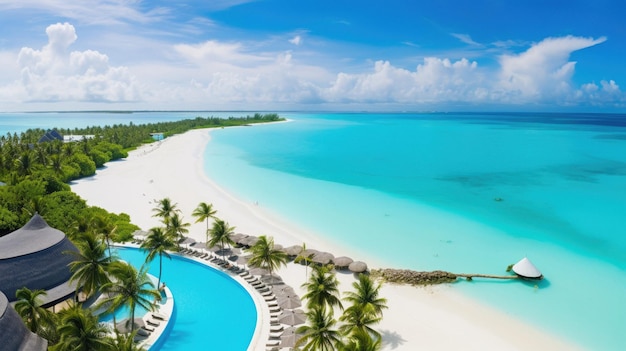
(34, 172)
(265, 255)
(356, 323)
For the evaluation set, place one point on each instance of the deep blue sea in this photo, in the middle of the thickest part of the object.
(419, 191)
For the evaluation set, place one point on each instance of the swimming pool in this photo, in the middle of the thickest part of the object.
(211, 311)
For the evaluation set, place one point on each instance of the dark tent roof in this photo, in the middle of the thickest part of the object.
(50, 135)
(33, 257)
(13, 333)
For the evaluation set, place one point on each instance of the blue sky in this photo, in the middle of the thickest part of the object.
(313, 55)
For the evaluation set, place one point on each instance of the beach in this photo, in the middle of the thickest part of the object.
(430, 318)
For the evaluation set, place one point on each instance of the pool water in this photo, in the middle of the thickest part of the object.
(211, 310)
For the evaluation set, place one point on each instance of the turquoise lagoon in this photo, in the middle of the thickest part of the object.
(420, 191)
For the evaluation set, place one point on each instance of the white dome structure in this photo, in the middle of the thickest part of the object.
(526, 269)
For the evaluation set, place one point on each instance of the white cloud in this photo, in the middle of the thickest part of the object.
(465, 38)
(297, 40)
(55, 74)
(543, 71)
(435, 80)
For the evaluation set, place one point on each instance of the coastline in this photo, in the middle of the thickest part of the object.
(433, 318)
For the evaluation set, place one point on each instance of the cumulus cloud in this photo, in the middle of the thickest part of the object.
(432, 81)
(541, 72)
(53, 73)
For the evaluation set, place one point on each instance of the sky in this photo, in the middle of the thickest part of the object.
(392, 55)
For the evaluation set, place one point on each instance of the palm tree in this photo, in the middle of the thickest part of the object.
(89, 268)
(165, 209)
(28, 306)
(361, 341)
(220, 234)
(322, 289)
(129, 287)
(176, 227)
(158, 242)
(264, 255)
(358, 320)
(204, 212)
(103, 225)
(125, 342)
(306, 258)
(81, 331)
(366, 296)
(319, 334)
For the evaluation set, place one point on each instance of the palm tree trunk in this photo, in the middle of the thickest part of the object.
(160, 268)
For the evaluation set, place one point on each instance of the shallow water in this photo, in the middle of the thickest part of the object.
(419, 191)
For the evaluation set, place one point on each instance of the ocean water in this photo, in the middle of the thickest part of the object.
(418, 191)
(421, 191)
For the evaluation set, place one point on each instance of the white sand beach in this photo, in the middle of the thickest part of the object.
(430, 318)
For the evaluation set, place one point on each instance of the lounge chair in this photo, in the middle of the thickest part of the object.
(152, 323)
(157, 315)
(273, 343)
(276, 335)
(147, 328)
(276, 328)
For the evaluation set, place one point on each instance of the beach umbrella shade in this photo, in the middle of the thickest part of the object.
(289, 302)
(243, 259)
(292, 317)
(322, 257)
(342, 262)
(271, 279)
(526, 269)
(293, 250)
(188, 241)
(250, 240)
(290, 337)
(357, 267)
(282, 289)
(237, 236)
(140, 233)
(258, 271)
(124, 326)
(199, 245)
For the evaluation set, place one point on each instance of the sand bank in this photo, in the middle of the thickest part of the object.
(432, 318)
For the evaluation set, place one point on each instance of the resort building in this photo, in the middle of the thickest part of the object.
(13, 333)
(34, 257)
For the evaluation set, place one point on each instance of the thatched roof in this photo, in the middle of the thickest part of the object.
(34, 257)
(13, 333)
(357, 267)
(526, 269)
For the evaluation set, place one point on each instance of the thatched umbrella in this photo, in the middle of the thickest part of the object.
(357, 267)
(322, 257)
(293, 250)
(282, 290)
(292, 317)
(139, 232)
(238, 236)
(290, 337)
(188, 241)
(199, 245)
(289, 301)
(526, 269)
(249, 241)
(342, 262)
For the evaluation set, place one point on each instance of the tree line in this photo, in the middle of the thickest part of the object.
(35, 174)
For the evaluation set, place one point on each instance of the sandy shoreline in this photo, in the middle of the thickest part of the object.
(432, 318)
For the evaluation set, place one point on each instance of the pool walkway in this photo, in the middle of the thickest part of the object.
(268, 331)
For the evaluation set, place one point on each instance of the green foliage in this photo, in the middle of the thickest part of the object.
(63, 208)
(99, 157)
(86, 165)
